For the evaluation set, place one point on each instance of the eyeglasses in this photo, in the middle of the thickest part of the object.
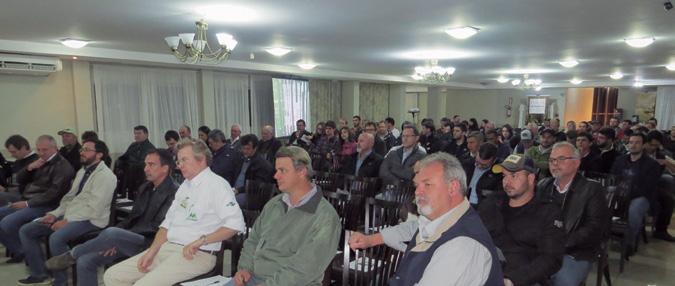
(555, 161)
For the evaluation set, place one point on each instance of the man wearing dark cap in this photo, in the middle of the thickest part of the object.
(606, 149)
(526, 142)
(540, 154)
(71, 148)
(528, 231)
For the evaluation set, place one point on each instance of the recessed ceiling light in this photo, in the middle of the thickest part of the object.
(515, 82)
(616, 75)
(74, 58)
(569, 63)
(502, 79)
(462, 33)
(638, 84)
(671, 67)
(576, 81)
(278, 51)
(75, 44)
(640, 42)
(307, 66)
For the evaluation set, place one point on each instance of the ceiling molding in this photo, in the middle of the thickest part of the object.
(167, 59)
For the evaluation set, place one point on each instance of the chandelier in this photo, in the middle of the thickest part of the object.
(527, 83)
(194, 47)
(433, 72)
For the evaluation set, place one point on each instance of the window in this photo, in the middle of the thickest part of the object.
(291, 102)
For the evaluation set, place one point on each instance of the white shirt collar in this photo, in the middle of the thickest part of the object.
(286, 198)
(428, 227)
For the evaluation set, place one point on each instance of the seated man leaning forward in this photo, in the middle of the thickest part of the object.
(203, 214)
(451, 246)
(296, 235)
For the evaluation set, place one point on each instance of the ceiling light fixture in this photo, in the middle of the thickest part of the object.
(462, 33)
(638, 84)
(576, 81)
(527, 83)
(568, 63)
(433, 72)
(75, 44)
(195, 47)
(640, 42)
(671, 67)
(616, 75)
(278, 51)
(307, 66)
(502, 79)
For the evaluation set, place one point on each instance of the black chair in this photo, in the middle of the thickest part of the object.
(368, 267)
(381, 213)
(618, 208)
(237, 242)
(366, 187)
(346, 206)
(328, 181)
(258, 194)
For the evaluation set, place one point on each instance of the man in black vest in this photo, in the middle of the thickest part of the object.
(448, 232)
(132, 235)
(365, 162)
(584, 212)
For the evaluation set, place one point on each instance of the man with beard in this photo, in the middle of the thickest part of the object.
(539, 154)
(365, 162)
(606, 149)
(298, 137)
(457, 147)
(448, 232)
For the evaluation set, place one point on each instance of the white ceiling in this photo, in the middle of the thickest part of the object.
(371, 39)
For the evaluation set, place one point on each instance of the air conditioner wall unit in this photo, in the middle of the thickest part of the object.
(29, 65)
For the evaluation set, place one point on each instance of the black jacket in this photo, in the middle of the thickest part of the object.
(589, 163)
(48, 184)
(150, 205)
(606, 159)
(584, 212)
(259, 170)
(380, 146)
(297, 141)
(640, 177)
(15, 169)
(135, 154)
(226, 163)
(72, 154)
(488, 184)
(370, 167)
(268, 149)
(456, 150)
(530, 237)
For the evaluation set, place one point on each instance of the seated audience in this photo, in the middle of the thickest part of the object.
(301, 136)
(19, 148)
(326, 148)
(386, 136)
(71, 148)
(380, 147)
(364, 163)
(132, 235)
(129, 166)
(391, 126)
(506, 134)
(589, 156)
(348, 143)
(637, 176)
(540, 154)
(526, 142)
(269, 145)
(583, 209)
(571, 126)
(397, 166)
(427, 138)
(356, 129)
(41, 183)
(473, 142)
(448, 232)
(295, 237)
(457, 147)
(318, 133)
(203, 214)
(85, 208)
(254, 167)
(483, 182)
(665, 186)
(503, 149)
(89, 135)
(203, 133)
(235, 132)
(185, 132)
(226, 160)
(606, 149)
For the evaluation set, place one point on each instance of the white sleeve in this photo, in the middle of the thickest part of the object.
(461, 261)
(169, 214)
(227, 209)
(396, 236)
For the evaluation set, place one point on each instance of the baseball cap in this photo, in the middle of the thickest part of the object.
(526, 135)
(67, 130)
(515, 163)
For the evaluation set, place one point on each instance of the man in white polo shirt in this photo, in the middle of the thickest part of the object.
(203, 213)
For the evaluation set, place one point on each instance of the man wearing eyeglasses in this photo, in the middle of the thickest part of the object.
(583, 209)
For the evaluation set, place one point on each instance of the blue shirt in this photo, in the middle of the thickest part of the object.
(241, 179)
(477, 173)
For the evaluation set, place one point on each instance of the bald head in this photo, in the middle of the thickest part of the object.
(365, 143)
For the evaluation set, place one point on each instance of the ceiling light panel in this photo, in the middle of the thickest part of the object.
(462, 33)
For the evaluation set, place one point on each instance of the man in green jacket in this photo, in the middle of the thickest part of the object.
(296, 235)
(540, 154)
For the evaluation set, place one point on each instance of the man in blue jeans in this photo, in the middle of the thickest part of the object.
(85, 208)
(132, 235)
(637, 174)
(42, 183)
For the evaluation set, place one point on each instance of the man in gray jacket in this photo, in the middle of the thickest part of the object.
(85, 208)
(398, 165)
(46, 180)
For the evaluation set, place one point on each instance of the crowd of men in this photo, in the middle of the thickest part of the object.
(504, 205)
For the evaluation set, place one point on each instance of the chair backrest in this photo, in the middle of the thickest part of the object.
(328, 181)
(346, 207)
(366, 187)
(382, 213)
(371, 266)
(258, 194)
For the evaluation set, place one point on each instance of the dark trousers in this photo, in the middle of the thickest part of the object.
(664, 201)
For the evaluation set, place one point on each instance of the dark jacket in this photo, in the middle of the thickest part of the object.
(392, 171)
(488, 184)
(380, 146)
(135, 154)
(226, 162)
(589, 163)
(268, 149)
(16, 169)
(72, 154)
(584, 212)
(297, 141)
(640, 177)
(149, 205)
(456, 150)
(606, 159)
(259, 170)
(370, 167)
(48, 184)
(530, 237)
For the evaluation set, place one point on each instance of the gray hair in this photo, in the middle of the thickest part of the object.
(199, 148)
(217, 135)
(269, 128)
(452, 168)
(477, 135)
(565, 144)
(299, 156)
(48, 138)
(236, 125)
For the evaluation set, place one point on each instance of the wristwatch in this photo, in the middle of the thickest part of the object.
(203, 239)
